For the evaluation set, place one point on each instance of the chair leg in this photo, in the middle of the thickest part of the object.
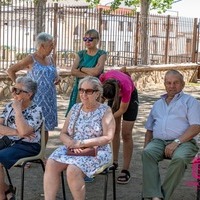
(63, 186)
(22, 182)
(8, 176)
(114, 184)
(43, 166)
(105, 186)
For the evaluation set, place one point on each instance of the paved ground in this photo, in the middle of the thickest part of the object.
(131, 191)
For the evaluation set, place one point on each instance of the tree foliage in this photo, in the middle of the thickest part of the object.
(145, 6)
(159, 5)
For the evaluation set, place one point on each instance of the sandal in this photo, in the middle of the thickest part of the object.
(113, 167)
(10, 193)
(124, 178)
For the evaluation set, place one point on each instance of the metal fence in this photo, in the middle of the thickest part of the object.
(172, 39)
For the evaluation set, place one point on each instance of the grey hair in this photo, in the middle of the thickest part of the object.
(93, 32)
(29, 84)
(176, 73)
(42, 38)
(94, 81)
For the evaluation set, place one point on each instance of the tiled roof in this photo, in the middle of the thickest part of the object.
(72, 3)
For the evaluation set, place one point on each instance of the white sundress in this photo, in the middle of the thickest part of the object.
(88, 125)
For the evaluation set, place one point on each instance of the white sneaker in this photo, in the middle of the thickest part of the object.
(156, 198)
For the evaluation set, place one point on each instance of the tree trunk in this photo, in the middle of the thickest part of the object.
(39, 17)
(144, 32)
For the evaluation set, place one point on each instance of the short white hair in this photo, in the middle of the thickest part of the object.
(42, 38)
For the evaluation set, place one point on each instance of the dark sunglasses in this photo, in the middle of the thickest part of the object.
(87, 91)
(18, 91)
(89, 39)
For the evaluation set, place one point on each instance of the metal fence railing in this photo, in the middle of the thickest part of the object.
(172, 39)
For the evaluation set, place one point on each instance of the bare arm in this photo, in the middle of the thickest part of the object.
(23, 64)
(122, 109)
(23, 128)
(95, 71)
(108, 123)
(75, 71)
(64, 137)
(5, 130)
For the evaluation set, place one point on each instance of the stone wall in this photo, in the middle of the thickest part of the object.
(149, 77)
(145, 77)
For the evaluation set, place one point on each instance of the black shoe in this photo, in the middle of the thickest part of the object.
(113, 167)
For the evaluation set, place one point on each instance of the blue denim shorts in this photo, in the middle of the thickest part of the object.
(10, 155)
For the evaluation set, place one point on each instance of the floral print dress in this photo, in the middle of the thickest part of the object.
(32, 115)
(87, 125)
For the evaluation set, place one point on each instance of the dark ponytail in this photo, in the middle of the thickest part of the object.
(111, 92)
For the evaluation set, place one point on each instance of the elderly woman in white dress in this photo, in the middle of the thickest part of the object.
(88, 124)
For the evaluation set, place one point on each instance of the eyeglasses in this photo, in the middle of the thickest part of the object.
(18, 91)
(89, 39)
(87, 91)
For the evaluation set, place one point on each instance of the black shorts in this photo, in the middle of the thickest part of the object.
(132, 110)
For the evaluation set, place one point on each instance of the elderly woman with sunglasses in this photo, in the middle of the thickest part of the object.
(88, 124)
(21, 121)
(87, 62)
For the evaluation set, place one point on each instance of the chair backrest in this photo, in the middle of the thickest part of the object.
(42, 141)
(41, 154)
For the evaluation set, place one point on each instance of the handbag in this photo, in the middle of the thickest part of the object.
(87, 151)
(5, 142)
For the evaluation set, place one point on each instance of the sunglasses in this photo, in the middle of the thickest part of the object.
(86, 91)
(18, 91)
(89, 39)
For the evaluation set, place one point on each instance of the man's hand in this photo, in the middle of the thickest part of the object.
(170, 148)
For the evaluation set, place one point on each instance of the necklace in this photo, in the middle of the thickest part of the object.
(88, 115)
(90, 108)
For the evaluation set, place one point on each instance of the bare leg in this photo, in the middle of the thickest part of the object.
(75, 179)
(116, 140)
(127, 127)
(52, 178)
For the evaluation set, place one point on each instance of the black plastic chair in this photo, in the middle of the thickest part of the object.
(33, 159)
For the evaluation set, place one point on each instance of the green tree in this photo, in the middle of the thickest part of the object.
(145, 6)
(5, 2)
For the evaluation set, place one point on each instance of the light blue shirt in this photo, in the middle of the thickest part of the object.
(169, 121)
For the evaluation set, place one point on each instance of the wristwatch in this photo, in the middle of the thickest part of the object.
(177, 141)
